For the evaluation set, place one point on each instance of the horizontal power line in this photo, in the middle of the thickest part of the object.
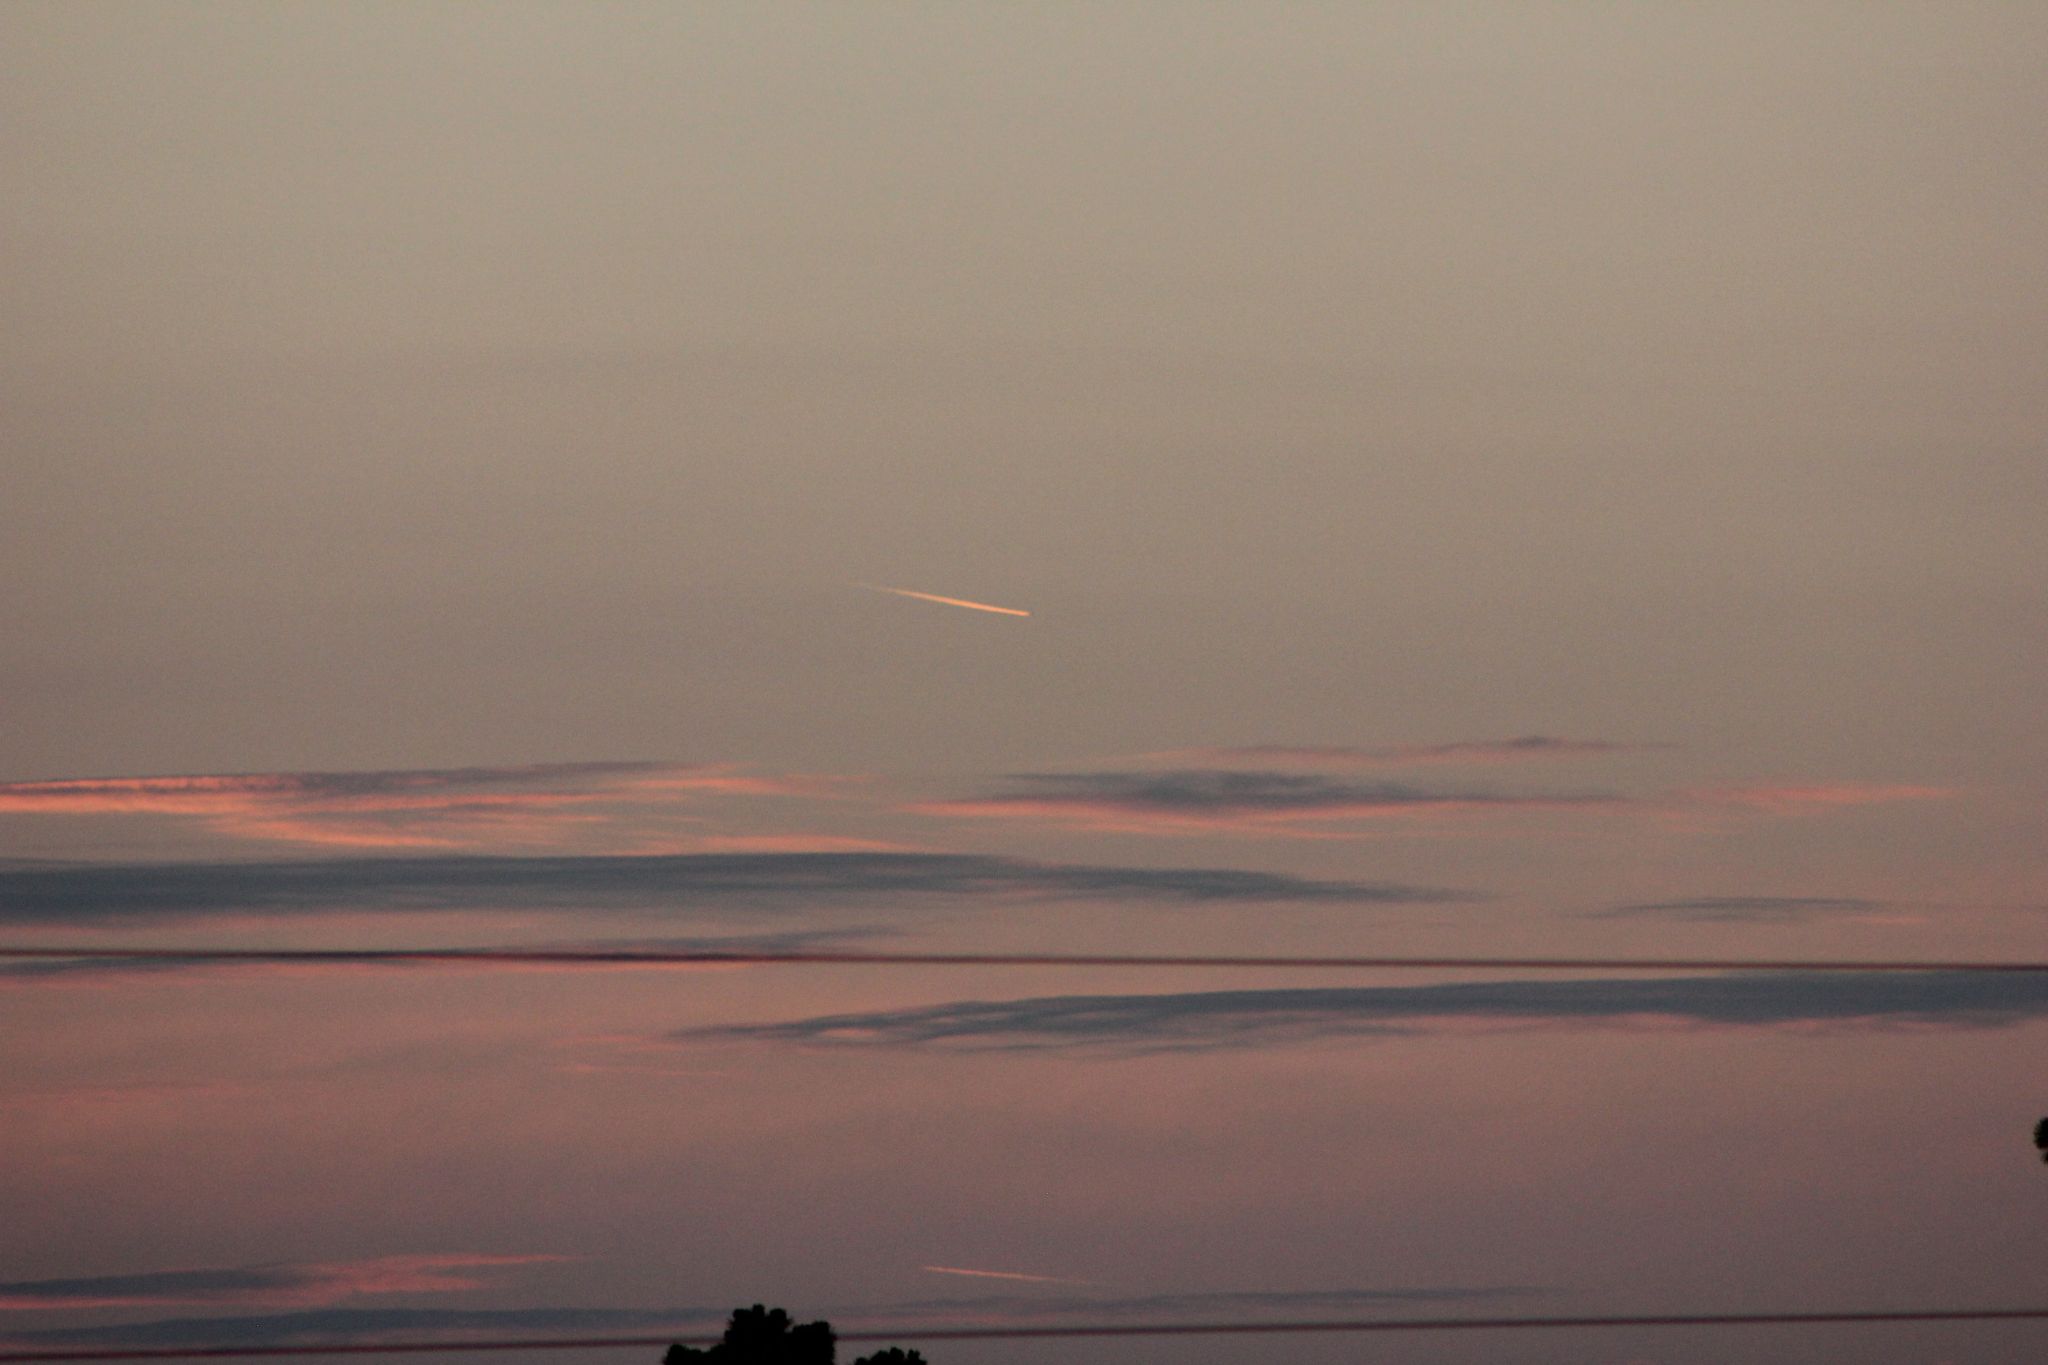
(1048, 1332)
(658, 957)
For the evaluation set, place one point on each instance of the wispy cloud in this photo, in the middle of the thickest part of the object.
(1798, 798)
(1222, 1019)
(396, 808)
(338, 1325)
(128, 1094)
(231, 793)
(1473, 751)
(1744, 909)
(1211, 800)
(98, 894)
(996, 1274)
(288, 1285)
(790, 843)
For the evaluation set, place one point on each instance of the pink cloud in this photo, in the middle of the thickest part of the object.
(405, 809)
(215, 793)
(153, 1093)
(795, 843)
(728, 780)
(285, 1285)
(1797, 798)
(429, 1274)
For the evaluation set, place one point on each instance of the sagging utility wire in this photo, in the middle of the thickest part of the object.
(659, 957)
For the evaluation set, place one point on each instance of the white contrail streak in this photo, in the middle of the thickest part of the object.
(947, 601)
(997, 1274)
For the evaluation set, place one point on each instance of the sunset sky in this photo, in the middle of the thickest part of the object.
(1483, 479)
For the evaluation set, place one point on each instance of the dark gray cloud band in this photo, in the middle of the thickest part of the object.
(108, 792)
(1233, 794)
(1475, 751)
(162, 1286)
(93, 894)
(1253, 1018)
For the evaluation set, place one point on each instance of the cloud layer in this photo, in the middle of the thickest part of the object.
(1474, 751)
(632, 807)
(1272, 801)
(92, 894)
(1225, 799)
(1218, 1019)
(394, 808)
(289, 1285)
(1801, 798)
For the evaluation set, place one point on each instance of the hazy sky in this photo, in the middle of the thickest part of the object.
(1484, 479)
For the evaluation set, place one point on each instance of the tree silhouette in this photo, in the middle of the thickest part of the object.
(767, 1336)
(2041, 1138)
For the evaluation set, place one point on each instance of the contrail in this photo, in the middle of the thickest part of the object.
(947, 601)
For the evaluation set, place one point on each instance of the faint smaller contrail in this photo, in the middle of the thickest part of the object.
(998, 1274)
(946, 601)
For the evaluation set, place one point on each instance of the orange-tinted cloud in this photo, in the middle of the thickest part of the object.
(723, 779)
(133, 1094)
(794, 843)
(232, 793)
(291, 1285)
(401, 809)
(1797, 798)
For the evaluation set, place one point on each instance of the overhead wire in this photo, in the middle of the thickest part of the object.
(658, 957)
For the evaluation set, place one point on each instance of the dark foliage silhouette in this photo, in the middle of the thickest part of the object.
(767, 1336)
(2041, 1138)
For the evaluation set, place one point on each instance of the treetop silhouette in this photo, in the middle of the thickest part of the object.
(768, 1336)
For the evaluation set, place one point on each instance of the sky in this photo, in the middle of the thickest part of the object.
(1360, 480)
